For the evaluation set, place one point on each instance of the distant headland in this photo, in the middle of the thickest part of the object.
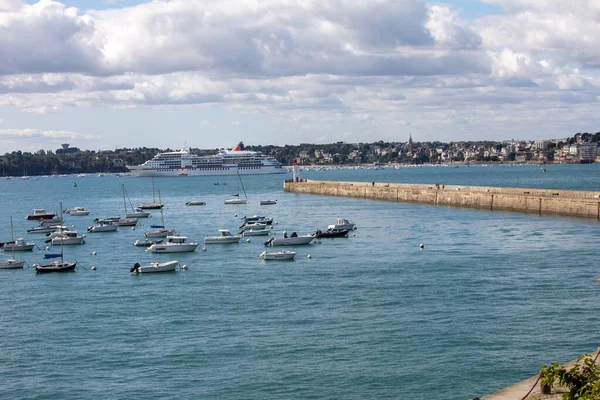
(580, 148)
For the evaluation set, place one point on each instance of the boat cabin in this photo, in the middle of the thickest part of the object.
(177, 239)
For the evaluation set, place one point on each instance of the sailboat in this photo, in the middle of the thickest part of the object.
(236, 199)
(12, 263)
(154, 205)
(137, 212)
(57, 266)
(162, 231)
(124, 221)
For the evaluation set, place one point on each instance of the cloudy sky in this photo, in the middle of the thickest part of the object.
(100, 74)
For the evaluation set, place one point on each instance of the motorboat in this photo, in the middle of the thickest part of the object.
(68, 238)
(330, 233)
(104, 226)
(77, 211)
(293, 240)
(160, 233)
(137, 213)
(40, 213)
(252, 232)
(146, 243)
(267, 202)
(43, 229)
(174, 244)
(225, 237)
(257, 219)
(56, 266)
(253, 218)
(255, 227)
(18, 245)
(155, 266)
(342, 224)
(278, 255)
(195, 203)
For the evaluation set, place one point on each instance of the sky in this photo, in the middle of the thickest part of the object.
(106, 74)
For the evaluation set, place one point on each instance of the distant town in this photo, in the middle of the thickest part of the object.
(580, 148)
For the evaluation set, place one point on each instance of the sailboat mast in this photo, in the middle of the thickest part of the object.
(242, 183)
(124, 204)
(61, 237)
(162, 217)
(154, 195)
(12, 237)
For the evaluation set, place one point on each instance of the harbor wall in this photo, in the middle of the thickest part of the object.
(575, 203)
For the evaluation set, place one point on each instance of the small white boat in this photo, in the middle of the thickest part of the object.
(155, 266)
(290, 241)
(267, 202)
(11, 263)
(225, 237)
(18, 245)
(174, 244)
(137, 213)
(341, 224)
(236, 201)
(252, 232)
(254, 227)
(127, 222)
(68, 238)
(104, 226)
(195, 203)
(42, 229)
(77, 211)
(278, 255)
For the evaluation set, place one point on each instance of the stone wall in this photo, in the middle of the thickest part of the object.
(538, 201)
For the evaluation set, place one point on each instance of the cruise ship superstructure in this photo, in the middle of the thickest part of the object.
(225, 162)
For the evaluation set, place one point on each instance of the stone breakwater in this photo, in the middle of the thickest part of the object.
(574, 203)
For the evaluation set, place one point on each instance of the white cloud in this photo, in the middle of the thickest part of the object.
(312, 66)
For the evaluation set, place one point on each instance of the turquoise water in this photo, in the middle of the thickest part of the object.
(490, 298)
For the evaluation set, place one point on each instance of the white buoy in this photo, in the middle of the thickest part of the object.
(276, 223)
(133, 228)
(422, 246)
(235, 215)
(247, 240)
(46, 248)
(354, 234)
(204, 249)
(93, 267)
(184, 266)
(308, 256)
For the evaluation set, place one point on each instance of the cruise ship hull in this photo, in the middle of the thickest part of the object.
(143, 172)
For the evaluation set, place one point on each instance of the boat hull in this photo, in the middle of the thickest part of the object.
(103, 228)
(150, 206)
(11, 264)
(260, 232)
(143, 172)
(163, 233)
(56, 267)
(236, 201)
(155, 267)
(25, 247)
(221, 239)
(278, 255)
(291, 241)
(57, 241)
(165, 248)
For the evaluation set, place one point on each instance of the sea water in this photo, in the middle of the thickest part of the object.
(489, 298)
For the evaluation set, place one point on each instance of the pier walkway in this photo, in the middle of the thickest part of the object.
(574, 203)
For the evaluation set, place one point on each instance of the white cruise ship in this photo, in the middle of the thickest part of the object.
(225, 162)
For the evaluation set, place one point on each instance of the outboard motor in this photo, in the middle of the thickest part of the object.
(135, 267)
(268, 242)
